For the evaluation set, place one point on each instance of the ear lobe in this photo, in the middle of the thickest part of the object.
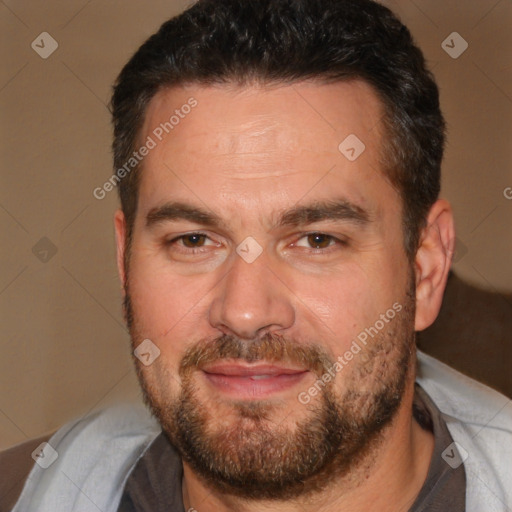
(120, 229)
(432, 263)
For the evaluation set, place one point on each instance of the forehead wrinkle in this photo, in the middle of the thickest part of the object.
(259, 135)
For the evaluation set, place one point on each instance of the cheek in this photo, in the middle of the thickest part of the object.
(342, 305)
(161, 381)
(151, 299)
(162, 300)
(336, 311)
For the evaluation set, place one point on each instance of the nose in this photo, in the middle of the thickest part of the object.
(251, 300)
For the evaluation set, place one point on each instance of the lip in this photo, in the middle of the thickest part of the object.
(243, 381)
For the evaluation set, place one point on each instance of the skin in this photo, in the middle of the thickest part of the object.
(247, 154)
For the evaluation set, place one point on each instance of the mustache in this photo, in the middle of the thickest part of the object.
(272, 347)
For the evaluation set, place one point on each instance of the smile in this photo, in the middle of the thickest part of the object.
(244, 382)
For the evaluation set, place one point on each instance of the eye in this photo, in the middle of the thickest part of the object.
(193, 240)
(318, 241)
(191, 243)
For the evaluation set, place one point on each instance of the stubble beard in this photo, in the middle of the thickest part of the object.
(256, 458)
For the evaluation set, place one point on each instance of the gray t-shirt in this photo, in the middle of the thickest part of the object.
(154, 484)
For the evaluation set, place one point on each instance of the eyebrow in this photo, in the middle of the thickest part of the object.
(178, 210)
(317, 211)
(333, 209)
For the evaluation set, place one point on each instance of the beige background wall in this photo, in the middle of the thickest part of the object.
(64, 349)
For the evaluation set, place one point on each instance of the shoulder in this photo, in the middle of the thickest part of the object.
(88, 459)
(464, 398)
(480, 422)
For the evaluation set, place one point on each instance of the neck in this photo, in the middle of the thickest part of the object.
(388, 479)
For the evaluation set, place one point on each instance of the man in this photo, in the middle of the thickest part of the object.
(280, 241)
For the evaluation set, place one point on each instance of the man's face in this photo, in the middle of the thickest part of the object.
(250, 311)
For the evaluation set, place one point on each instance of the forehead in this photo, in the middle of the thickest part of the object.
(256, 113)
(233, 145)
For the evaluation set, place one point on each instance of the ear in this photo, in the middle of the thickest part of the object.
(432, 263)
(120, 228)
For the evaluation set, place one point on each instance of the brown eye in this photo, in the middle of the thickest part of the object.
(320, 243)
(319, 240)
(193, 240)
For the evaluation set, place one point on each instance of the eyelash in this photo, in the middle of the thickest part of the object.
(330, 247)
(187, 250)
(198, 250)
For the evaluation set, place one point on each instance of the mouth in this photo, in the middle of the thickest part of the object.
(256, 381)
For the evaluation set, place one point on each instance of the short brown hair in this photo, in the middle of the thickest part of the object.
(273, 41)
